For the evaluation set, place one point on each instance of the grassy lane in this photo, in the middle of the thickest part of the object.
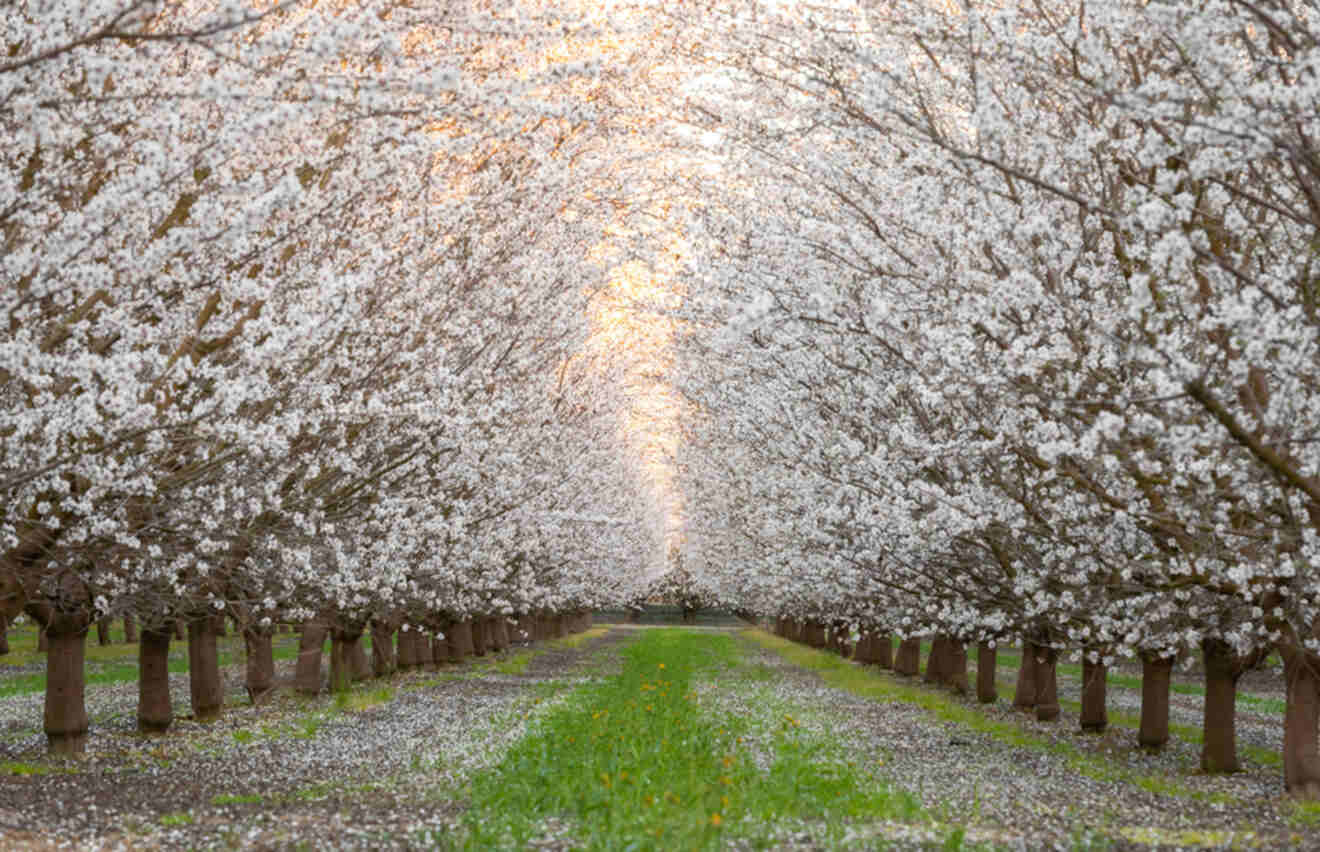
(637, 761)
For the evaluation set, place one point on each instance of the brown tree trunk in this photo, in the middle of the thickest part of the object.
(103, 631)
(460, 637)
(4, 636)
(43, 641)
(479, 637)
(1024, 696)
(937, 663)
(341, 667)
(155, 710)
(1156, 674)
(908, 660)
(66, 707)
(1301, 747)
(883, 647)
(407, 658)
(559, 630)
(816, 635)
(1095, 714)
(987, 659)
(383, 661)
(864, 650)
(357, 657)
(179, 632)
(423, 649)
(955, 675)
(260, 675)
(1219, 721)
(204, 670)
(130, 629)
(526, 629)
(493, 635)
(1047, 685)
(311, 644)
(439, 649)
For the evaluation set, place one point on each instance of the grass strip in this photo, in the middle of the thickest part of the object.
(635, 762)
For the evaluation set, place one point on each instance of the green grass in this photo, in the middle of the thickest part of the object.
(577, 639)
(18, 767)
(249, 799)
(636, 762)
(180, 818)
(516, 663)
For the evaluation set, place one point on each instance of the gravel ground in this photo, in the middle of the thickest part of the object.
(293, 773)
(1035, 798)
(297, 773)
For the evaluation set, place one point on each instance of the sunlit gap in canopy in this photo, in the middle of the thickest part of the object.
(633, 330)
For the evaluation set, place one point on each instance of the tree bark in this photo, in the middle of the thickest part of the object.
(130, 629)
(479, 636)
(204, 670)
(1047, 685)
(383, 660)
(882, 645)
(155, 709)
(260, 674)
(179, 632)
(908, 660)
(103, 631)
(1219, 721)
(4, 636)
(526, 629)
(1024, 696)
(1095, 714)
(311, 644)
(439, 649)
(955, 657)
(461, 639)
(43, 641)
(407, 657)
(66, 707)
(987, 659)
(937, 664)
(357, 657)
(1301, 747)
(1156, 674)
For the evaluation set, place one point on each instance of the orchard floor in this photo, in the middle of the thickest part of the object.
(392, 763)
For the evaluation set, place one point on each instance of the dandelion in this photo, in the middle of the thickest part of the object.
(715, 820)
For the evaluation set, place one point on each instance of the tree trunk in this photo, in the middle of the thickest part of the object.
(1024, 696)
(526, 629)
(558, 628)
(4, 636)
(937, 664)
(155, 710)
(1219, 721)
(955, 658)
(460, 637)
(407, 656)
(383, 661)
(103, 631)
(1156, 673)
(1301, 748)
(204, 670)
(423, 649)
(66, 707)
(987, 659)
(311, 644)
(1047, 685)
(864, 650)
(439, 649)
(130, 629)
(357, 657)
(883, 647)
(479, 637)
(260, 674)
(1095, 714)
(43, 641)
(908, 660)
(179, 632)
(502, 633)
(341, 667)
